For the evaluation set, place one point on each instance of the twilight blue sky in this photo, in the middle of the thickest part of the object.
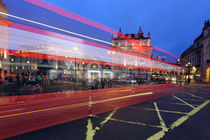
(173, 24)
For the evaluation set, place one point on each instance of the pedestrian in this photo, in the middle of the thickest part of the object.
(1, 80)
(45, 80)
(17, 79)
(39, 80)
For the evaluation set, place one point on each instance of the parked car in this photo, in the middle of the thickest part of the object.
(127, 81)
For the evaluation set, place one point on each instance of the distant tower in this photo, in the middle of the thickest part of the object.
(120, 30)
(140, 32)
(119, 35)
(149, 35)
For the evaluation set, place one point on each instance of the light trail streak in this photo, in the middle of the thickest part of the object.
(63, 30)
(86, 21)
(56, 28)
(75, 105)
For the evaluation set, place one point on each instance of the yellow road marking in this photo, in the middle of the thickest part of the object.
(183, 101)
(91, 132)
(162, 123)
(41, 110)
(157, 136)
(123, 97)
(185, 117)
(161, 133)
(136, 123)
(76, 105)
(183, 104)
(167, 111)
(193, 100)
(106, 119)
(201, 100)
(195, 96)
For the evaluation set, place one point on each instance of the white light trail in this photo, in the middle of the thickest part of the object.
(56, 28)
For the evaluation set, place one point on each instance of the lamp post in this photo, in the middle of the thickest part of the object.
(188, 65)
(178, 61)
(130, 72)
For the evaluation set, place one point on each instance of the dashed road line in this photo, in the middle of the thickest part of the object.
(184, 102)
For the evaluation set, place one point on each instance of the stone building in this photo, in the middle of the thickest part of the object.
(4, 39)
(197, 57)
(136, 43)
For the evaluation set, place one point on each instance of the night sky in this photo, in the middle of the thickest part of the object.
(173, 24)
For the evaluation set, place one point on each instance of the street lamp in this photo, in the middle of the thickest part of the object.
(130, 72)
(188, 65)
(178, 61)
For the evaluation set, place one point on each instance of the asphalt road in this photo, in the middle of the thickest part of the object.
(181, 116)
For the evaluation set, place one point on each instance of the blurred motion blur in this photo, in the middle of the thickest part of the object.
(45, 49)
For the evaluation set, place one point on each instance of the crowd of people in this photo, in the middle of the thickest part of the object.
(24, 79)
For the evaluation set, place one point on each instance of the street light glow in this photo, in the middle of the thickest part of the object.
(76, 48)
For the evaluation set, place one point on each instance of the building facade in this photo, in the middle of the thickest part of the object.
(197, 57)
(136, 43)
(4, 39)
